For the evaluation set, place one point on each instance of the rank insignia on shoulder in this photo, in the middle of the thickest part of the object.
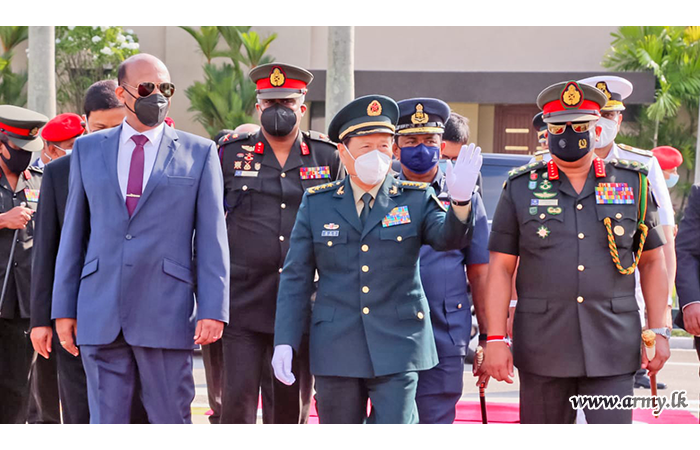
(32, 195)
(413, 185)
(394, 190)
(614, 194)
(528, 168)
(397, 216)
(323, 187)
(232, 137)
(637, 151)
(315, 173)
(630, 165)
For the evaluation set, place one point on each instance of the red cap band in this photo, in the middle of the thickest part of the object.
(264, 83)
(18, 131)
(556, 106)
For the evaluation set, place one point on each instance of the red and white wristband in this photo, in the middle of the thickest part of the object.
(498, 339)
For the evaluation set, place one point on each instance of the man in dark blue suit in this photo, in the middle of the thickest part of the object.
(418, 146)
(142, 197)
(688, 273)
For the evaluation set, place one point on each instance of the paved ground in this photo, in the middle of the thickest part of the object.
(680, 373)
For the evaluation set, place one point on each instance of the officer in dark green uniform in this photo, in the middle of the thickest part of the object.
(370, 329)
(580, 227)
(265, 175)
(19, 195)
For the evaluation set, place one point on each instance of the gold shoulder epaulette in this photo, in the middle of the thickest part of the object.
(515, 173)
(413, 185)
(539, 155)
(323, 187)
(232, 137)
(635, 166)
(637, 151)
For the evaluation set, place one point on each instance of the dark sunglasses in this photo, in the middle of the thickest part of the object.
(147, 87)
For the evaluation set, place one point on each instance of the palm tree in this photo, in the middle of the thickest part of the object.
(12, 85)
(226, 98)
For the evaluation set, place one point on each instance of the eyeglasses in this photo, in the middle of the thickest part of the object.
(147, 87)
(579, 127)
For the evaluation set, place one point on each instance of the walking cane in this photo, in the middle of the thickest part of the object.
(9, 264)
(482, 385)
(649, 339)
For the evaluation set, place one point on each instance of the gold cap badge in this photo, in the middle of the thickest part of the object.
(34, 131)
(277, 77)
(571, 96)
(374, 108)
(419, 117)
(603, 86)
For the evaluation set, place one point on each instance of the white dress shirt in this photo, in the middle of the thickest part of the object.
(126, 149)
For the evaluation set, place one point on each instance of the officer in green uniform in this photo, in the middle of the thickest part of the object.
(265, 175)
(370, 329)
(19, 196)
(580, 227)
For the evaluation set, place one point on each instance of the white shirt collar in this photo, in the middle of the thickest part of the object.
(154, 135)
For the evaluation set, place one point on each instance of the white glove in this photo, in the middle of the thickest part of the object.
(282, 364)
(461, 179)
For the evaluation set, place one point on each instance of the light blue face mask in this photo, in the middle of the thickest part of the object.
(672, 180)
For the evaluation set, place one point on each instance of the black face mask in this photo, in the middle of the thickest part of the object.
(278, 120)
(151, 110)
(571, 146)
(18, 161)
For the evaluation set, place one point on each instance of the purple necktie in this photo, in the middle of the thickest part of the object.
(135, 184)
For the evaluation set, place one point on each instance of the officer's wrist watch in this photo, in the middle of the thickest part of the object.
(458, 203)
(663, 332)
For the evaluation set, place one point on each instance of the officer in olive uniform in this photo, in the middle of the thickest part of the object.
(265, 175)
(370, 329)
(418, 146)
(579, 226)
(19, 195)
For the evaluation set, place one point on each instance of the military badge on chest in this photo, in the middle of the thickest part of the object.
(248, 163)
(397, 216)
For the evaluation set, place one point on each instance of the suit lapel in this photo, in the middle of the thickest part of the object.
(383, 204)
(110, 150)
(167, 148)
(345, 205)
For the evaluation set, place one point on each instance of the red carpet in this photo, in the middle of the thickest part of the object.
(470, 412)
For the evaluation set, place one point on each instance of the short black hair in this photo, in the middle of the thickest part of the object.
(101, 96)
(456, 129)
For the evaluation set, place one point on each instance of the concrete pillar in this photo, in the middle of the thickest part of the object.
(697, 151)
(41, 83)
(340, 76)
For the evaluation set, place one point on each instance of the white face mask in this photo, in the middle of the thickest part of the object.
(372, 167)
(608, 134)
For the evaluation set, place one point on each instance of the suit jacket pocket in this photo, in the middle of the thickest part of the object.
(414, 310)
(322, 313)
(176, 270)
(89, 268)
(624, 304)
(181, 181)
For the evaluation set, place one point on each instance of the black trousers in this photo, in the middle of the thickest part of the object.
(247, 355)
(343, 400)
(44, 397)
(546, 399)
(15, 362)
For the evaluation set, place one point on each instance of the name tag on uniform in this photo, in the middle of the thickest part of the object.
(246, 173)
(540, 202)
(332, 233)
(315, 173)
(397, 216)
(614, 194)
(32, 195)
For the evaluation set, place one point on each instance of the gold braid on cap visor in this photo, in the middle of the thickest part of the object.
(364, 125)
